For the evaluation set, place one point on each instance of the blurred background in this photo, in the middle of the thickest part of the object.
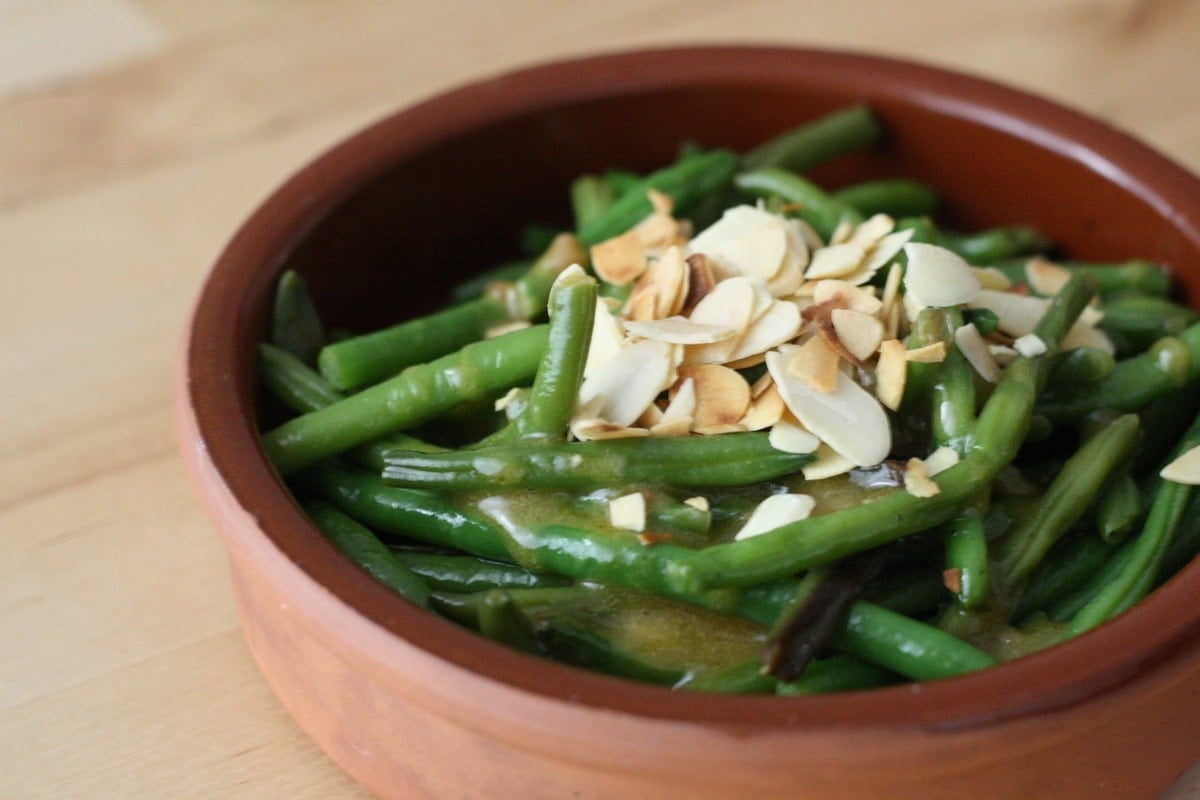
(135, 135)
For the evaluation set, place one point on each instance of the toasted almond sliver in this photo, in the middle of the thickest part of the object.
(1003, 354)
(776, 511)
(891, 373)
(860, 333)
(842, 233)
(594, 429)
(917, 481)
(1045, 277)
(879, 256)
(765, 410)
(781, 323)
(722, 395)
(854, 298)
(629, 381)
(868, 233)
(513, 394)
(729, 305)
(936, 276)
(1184, 469)
(758, 252)
(835, 261)
(992, 278)
(828, 464)
(619, 260)
(678, 330)
(1019, 314)
(848, 419)
(678, 426)
(608, 338)
(507, 327)
(700, 281)
(661, 202)
(941, 460)
(933, 353)
(816, 364)
(1029, 345)
(699, 501)
(650, 417)
(952, 579)
(716, 430)
(972, 345)
(628, 512)
(790, 437)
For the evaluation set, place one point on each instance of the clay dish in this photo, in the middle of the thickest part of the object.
(413, 706)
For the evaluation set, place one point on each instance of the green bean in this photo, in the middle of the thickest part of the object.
(1185, 544)
(1134, 382)
(1140, 573)
(1118, 508)
(591, 195)
(816, 142)
(1068, 566)
(1134, 321)
(1064, 608)
(551, 401)
(745, 677)
(967, 559)
(498, 618)
(1143, 277)
(1068, 497)
(417, 394)
(461, 573)
(295, 324)
(896, 197)
(905, 646)
(838, 673)
(991, 245)
(365, 549)
(293, 382)
(1081, 365)
(813, 204)
(952, 396)
(689, 461)
(370, 358)
(686, 182)
(825, 538)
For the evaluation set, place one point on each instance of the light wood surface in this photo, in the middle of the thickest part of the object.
(134, 136)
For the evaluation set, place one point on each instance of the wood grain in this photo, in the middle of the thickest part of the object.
(123, 171)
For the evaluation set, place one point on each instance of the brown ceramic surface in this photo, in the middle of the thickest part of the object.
(414, 707)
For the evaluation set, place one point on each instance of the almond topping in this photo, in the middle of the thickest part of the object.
(835, 261)
(729, 305)
(775, 512)
(917, 481)
(1029, 345)
(846, 295)
(828, 464)
(594, 429)
(788, 436)
(700, 280)
(816, 364)
(940, 460)
(619, 260)
(1045, 277)
(722, 395)
(933, 353)
(781, 323)
(891, 373)
(765, 410)
(1184, 469)
(678, 330)
(628, 512)
(629, 381)
(936, 276)
(858, 332)
(699, 501)
(972, 345)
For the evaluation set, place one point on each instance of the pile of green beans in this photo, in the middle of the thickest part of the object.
(1053, 520)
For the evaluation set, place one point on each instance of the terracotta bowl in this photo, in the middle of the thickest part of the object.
(414, 707)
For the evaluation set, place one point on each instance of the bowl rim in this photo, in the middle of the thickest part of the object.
(217, 383)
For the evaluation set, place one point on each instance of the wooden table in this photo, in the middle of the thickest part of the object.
(134, 136)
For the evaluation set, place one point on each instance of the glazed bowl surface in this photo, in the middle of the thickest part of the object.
(384, 223)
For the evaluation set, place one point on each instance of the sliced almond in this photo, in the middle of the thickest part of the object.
(1184, 469)
(594, 429)
(941, 460)
(860, 333)
(842, 233)
(1029, 345)
(847, 295)
(917, 481)
(699, 501)
(748, 240)
(788, 436)
(972, 345)
(1045, 277)
(828, 464)
(781, 323)
(731, 305)
(848, 419)
(835, 261)
(683, 401)
(629, 381)
(933, 353)
(678, 330)
(816, 364)
(678, 426)
(992, 278)
(868, 233)
(758, 252)
(620, 260)
(775, 512)
(628, 512)
(507, 327)
(514, 395)
(700, 281)
(607, 340)
(661, 202)
(1003, 354)
(722, 395)
(661, 290)
(936, 276)
(891, 373)
(879, 256)
(765, 410)
(1019, 314)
